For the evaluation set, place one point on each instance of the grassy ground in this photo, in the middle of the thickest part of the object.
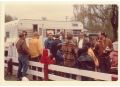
(10, 78)
(13, 78)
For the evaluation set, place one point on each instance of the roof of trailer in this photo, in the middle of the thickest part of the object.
(50, 23)
(12, 22)
(16, 21)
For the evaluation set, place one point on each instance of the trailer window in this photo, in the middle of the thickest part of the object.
(58, 30)
(6, 53)
(75, 25)
(35, 27)
(76, 32)
(7, 34)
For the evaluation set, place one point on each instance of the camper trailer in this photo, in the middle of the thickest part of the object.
(13, 28)
(43, 27)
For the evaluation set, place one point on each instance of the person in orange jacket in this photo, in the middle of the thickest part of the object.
(35, 49)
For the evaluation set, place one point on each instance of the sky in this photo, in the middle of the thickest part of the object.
(38, 10)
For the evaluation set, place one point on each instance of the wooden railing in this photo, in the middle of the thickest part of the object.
(73, 71)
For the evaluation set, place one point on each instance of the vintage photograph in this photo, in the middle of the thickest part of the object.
(61, 42)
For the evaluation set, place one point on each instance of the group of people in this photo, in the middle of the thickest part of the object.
(65, 50)
(30, 51)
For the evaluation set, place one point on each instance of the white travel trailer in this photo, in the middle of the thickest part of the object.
(13, 28)
(30, 25)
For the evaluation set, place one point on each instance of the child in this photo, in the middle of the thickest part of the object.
(59, 59)
(45, 58)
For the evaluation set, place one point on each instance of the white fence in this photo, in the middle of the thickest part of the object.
(77, 72)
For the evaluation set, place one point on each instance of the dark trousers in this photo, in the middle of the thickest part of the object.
(105, 64)
(87, 65)
(35, 59)
(23, 65)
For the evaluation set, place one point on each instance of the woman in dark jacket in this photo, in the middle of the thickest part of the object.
(84, 61)
(54, 47)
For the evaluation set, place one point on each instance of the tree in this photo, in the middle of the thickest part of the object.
(44, 18)
(9, 18)
(97, 18)
(114, 21)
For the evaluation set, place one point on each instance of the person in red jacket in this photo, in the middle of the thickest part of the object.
(46, 59)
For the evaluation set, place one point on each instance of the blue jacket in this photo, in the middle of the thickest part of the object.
(48, 43)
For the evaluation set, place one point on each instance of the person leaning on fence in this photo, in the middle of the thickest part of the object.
(36, 49)
(93, 56)
(69, 55)
(68, 49)
(103, 43)
(45, 58)
(87, 61)
(23, 56)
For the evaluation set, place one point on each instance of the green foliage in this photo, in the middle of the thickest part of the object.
(96, 18)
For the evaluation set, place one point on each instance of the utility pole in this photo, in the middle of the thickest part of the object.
(66, 18)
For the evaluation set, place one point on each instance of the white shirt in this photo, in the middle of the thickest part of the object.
(80, 45)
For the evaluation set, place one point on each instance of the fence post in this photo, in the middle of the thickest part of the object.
(10, 67)
(46, 72)
(114, 77)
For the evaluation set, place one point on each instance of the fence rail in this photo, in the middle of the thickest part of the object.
(77, 72)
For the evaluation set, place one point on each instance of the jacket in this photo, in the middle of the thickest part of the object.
(54, 47)
(22, 47)
(84, 61)
(69, 55)
(93, 57)
(103, 44)
(84, 42)
(45, 58)
(48, 43)
(35, 47)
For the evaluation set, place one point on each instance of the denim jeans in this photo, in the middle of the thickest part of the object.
(23, 65)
